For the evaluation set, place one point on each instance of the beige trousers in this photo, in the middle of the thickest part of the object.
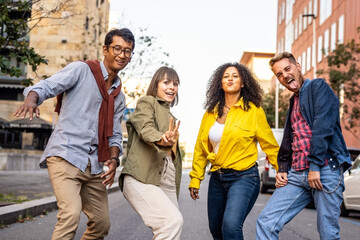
(76, 191)
(157, 205)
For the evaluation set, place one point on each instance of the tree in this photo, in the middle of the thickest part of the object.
(343, 73)
(147, 58)
(269, 107)
(15, 19)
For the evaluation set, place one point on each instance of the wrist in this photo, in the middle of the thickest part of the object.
(117, 161)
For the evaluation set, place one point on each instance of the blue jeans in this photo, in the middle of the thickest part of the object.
(289, 200)
(231, 196)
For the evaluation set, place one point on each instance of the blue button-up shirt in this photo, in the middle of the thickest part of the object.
(75, 137)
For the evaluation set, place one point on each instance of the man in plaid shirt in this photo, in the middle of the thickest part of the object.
(312, 155)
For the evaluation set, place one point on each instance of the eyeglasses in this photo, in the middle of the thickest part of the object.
(117, 50)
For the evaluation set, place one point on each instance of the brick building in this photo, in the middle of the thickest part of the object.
(330, 21)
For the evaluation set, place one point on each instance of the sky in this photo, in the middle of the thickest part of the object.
(200, 35)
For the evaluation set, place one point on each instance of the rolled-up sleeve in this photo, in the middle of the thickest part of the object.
(57, 83)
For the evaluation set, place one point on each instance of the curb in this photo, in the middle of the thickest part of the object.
(10, 214)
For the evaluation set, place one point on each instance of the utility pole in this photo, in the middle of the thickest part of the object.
(314, 40)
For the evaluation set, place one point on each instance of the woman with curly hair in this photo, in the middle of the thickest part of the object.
(231, 127)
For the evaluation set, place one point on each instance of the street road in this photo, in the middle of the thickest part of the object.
(127, 225)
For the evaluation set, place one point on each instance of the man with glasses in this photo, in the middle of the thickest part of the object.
(87, 136)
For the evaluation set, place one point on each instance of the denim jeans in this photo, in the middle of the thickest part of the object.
(231, 196)
(289, 200)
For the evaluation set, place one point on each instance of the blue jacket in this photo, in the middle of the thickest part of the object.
(320, 108)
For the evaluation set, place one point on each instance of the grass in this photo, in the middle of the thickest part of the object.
(22, 219)
(2, 225)
(12, 198)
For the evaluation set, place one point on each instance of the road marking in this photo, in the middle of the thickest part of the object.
(351, 221)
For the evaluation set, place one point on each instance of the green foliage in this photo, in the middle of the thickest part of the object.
(268, 105)
(2, 225)
(27, 217)
(147, 58)
(343, 73)
(12, 198)
(14, 44)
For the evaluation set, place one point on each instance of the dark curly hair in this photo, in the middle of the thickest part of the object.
(250, 92)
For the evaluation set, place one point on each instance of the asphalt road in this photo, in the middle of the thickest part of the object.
(127, 225)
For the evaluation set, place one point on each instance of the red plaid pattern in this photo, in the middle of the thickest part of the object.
(301, 138)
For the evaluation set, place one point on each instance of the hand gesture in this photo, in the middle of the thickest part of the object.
(170, 136)
(194, 193)
(29, 106)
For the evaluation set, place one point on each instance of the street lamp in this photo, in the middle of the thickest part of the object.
(314, 40)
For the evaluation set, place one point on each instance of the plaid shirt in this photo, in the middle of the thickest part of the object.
(301, 138)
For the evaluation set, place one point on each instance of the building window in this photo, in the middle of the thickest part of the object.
(305, 19)
(87, 23)
(313, 54)
(320, 39)
(325, 10)
(100, 26)
(289, 10)
(278, 47)
(296, 29)
(326, 41)
(341, 30)
(289, 36)
(310, 12)
(283, 11)
(280, 12)
(300, 24)
(315, 7)
(308, 60)
(333, 37)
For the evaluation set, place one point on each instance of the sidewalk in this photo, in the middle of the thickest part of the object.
(34, 186)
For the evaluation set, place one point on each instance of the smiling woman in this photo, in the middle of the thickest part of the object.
(153, 166)
(231, 126)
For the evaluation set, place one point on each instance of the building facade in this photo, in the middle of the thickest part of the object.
(311, 29)
(258, 63)
(69, 30)
(76, 32)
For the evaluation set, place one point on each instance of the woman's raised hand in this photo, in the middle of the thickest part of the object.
(169, 138)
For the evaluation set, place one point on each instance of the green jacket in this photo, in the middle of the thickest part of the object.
(145, 159)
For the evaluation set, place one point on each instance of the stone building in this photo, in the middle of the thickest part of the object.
(74, 31)
(77, 32)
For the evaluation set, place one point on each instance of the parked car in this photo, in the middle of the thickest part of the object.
(352, 192)
(354, 153)
(266, 171)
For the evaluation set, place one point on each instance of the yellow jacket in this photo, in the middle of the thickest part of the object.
(238, 149)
